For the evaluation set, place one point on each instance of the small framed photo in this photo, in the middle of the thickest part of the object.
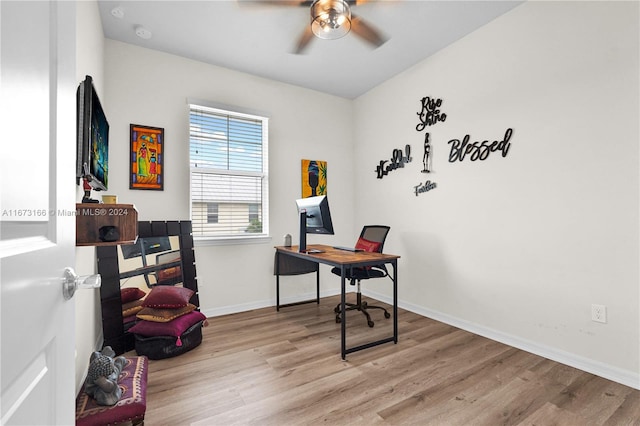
(146, 163)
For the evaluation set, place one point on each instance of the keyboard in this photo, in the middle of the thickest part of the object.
(347, 248)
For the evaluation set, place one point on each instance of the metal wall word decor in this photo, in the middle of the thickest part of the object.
(478, 150)
(424, 187)
(397, 161)
(430, 113)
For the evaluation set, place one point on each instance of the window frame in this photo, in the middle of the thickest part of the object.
(240, 113)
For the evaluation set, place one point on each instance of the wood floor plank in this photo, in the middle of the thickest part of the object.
(265, 367)
(436, 401)
(551, 415)
(628, 413)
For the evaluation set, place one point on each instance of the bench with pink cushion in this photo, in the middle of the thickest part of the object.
(130, 408)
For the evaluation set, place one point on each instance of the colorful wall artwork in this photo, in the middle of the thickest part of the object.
(314, 178)
(147, 158)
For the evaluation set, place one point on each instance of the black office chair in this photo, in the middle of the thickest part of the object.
(371, 239)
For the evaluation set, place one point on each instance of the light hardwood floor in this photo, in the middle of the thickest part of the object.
(283, 368)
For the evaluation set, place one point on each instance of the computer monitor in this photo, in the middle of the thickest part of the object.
(146, 246)
(315, 218)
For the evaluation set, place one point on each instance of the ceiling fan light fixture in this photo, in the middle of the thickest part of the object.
(330, 19)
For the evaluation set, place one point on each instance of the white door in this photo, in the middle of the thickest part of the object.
(37, 201)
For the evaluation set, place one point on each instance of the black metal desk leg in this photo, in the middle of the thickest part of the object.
(277, 281)
(318, 285)
(343, 323)
(395, 301)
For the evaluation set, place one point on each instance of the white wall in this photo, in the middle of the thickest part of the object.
(303, 124)
(89, 61)
(518, 248)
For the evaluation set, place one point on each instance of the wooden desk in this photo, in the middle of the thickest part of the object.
(346, 260)
(145, 270)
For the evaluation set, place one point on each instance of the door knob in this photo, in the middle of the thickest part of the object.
(72, 282)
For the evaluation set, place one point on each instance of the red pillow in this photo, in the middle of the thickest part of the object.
(131, 294)
(367, 245)
(167, 297)
(172, 328)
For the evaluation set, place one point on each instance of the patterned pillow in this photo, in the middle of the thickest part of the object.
(131, 308)
(163, 297)
(164, 315)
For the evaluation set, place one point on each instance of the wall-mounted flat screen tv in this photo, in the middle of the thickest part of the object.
(92, 162)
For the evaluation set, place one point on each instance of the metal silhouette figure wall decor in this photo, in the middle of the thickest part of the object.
(426, 158)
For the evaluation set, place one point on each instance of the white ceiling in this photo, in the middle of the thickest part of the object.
(259, 39)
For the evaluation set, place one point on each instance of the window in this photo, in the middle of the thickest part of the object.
(212, 212)
(254, 218)
(254, 212)
(229, 179)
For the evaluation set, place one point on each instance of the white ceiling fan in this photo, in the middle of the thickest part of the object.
(329, 20)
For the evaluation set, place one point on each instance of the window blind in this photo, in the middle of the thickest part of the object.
(229, 181)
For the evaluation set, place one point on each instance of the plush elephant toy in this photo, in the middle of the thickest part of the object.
(102, 379)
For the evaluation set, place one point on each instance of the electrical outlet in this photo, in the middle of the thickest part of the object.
(599, 313)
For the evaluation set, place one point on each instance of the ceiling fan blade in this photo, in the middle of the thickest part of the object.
(304, 40)
(273, 2)
(367, 31)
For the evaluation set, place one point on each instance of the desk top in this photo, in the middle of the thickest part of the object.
(150, 268)
(337, 257)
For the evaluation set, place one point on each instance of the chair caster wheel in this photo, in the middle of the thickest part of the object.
(371, 323)
(336, 309)
(387, 315)
(338, 320)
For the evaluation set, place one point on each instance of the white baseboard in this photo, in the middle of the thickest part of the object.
(234, 309)
(625, 377)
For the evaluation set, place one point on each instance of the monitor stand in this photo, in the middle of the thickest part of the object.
(302, 248)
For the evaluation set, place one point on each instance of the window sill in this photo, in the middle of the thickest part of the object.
(208, 241)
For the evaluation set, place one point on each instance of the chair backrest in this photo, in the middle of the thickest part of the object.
(376, 234)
